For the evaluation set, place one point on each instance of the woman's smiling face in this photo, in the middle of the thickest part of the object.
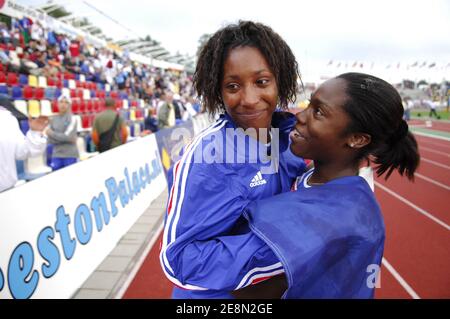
(249, 89)
(320, 133)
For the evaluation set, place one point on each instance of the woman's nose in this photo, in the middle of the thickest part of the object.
(250, 97)
(301, 116)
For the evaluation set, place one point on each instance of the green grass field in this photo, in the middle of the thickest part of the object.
(424, 114)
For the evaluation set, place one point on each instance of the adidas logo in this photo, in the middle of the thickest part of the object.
(258, 180)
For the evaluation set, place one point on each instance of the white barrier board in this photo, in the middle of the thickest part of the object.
(56, 230)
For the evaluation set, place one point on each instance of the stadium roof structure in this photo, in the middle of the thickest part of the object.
(146, 47)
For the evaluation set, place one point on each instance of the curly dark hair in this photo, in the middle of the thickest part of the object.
(209, 71)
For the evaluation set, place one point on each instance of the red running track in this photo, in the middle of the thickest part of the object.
(417, 247)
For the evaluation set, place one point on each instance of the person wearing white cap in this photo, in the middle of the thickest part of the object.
(62, 133)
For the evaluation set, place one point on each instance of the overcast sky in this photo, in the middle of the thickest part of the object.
(381, 32)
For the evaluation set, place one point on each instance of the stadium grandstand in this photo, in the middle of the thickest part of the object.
(48, 51)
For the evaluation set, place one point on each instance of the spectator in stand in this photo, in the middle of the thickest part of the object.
(62, 133)
(109, 129)
(166, 112)
(14, 145)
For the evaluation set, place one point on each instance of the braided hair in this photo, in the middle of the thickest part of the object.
(209, 71)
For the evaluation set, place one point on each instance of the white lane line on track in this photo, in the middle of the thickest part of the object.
(433, 151)
(138, 264)
(430, 180)
(434, 163)
(417, 208)
(400, 279)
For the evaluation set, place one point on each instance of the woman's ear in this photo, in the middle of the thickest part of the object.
(358, 140)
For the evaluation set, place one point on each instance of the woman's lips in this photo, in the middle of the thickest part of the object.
(251, 115)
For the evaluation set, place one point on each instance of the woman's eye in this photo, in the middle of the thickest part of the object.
(318, 112)
(232, 86)
(263, 81)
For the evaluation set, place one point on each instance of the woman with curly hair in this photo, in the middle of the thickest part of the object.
(248, 73)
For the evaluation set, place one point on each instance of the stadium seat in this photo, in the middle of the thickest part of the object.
(89, 106)
(2, 67)
(107, 87)
(42, 82)
(34, 109)
(73, 93)
(11, 79)
(85, 119)
(65, 91)
(79, 93)
(59, 83)
(86, 94)
(78, 84)
(55, 107)
(23, 79)
(39, 93)
(22, 106)
(75, 106)
(83, 106)
(28, 92)
(57, 93)
(114, 94)
(51, 81)
(46, 108)
(4, 90)
(2, 77)
(82, 78)
(132, 115)
(50, 93)
(32, 81)
(119, 104)
(72, 84)
(125, 104)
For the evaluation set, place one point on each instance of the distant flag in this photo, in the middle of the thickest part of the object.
(415, 64)
(339, 64)
(330, 63)
(423, 64)
(355, 64)
(432, 65)
(361, 65)
(398, 65)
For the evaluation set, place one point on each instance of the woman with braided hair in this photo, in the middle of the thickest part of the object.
(248, 73)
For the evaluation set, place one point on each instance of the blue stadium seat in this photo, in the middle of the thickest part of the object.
(16, 93)
(23, 79)
(4, 89)
(50, 93)
(57, 93)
